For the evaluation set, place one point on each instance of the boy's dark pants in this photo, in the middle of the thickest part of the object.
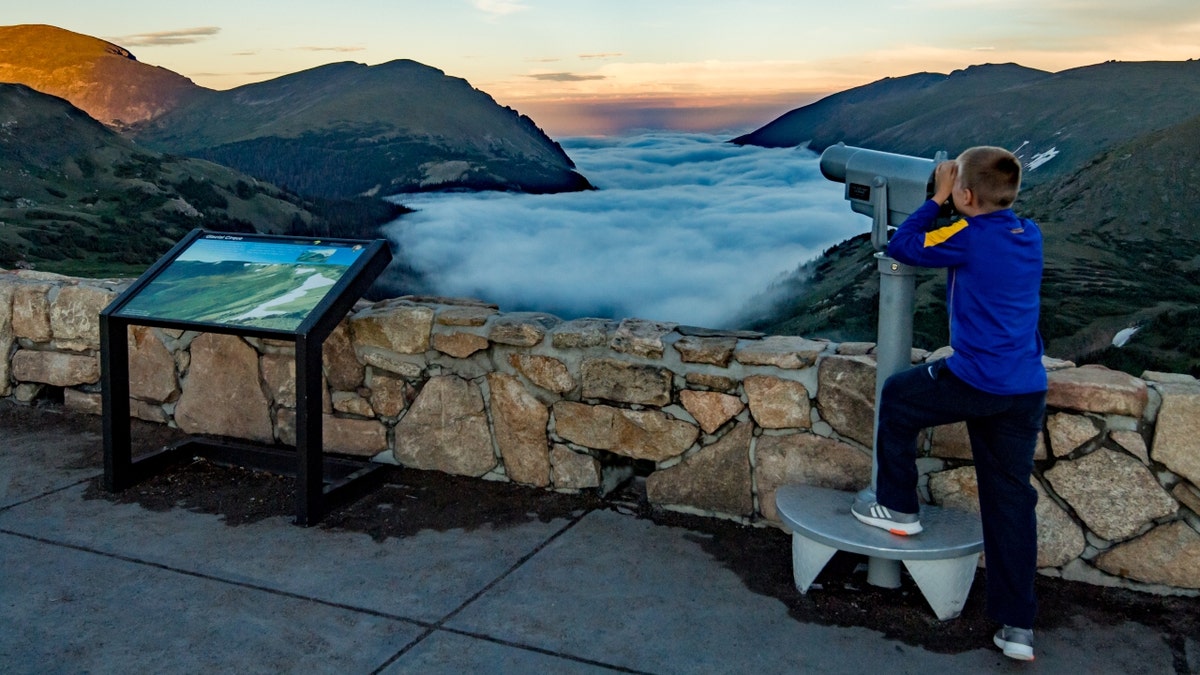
(1004, 430)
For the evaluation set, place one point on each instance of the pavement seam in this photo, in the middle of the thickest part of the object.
(439, 625)
(210, 577)
(47, 493)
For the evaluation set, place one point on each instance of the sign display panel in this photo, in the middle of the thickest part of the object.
(244, 281)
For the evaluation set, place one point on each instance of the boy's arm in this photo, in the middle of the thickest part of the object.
(915, 242)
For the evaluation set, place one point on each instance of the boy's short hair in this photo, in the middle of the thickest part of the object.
(993, 174)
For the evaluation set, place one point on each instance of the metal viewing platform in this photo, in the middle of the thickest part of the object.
(941, 559)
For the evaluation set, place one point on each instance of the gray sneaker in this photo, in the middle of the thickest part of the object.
(1017, 643)
(877, 515)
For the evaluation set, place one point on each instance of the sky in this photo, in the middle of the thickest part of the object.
(583, 67)
(684, 228)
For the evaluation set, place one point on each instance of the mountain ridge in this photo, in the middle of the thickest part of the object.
(1069, 116)
(348, 128)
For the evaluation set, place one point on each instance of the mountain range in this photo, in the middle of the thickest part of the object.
(1111, 175)
(336, 131)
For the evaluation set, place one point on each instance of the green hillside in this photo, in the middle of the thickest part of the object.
(77, 198)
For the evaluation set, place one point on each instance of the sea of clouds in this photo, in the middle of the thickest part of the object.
(683, 228)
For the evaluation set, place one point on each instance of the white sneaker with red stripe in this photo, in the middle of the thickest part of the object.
(877, 515)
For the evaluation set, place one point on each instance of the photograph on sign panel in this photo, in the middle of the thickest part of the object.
(242, 282)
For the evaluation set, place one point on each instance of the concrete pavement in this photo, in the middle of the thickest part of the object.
(93, 585)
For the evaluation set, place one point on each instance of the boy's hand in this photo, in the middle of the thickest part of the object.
(943, 181)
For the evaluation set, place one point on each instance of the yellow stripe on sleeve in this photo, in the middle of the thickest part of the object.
(935, 237)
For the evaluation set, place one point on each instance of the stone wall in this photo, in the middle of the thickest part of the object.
(716, 421)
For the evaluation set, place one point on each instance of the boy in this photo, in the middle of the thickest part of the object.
(994, 380)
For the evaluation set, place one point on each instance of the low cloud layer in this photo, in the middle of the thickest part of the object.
(683, 228)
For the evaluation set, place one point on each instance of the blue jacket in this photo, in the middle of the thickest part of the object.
(993, 281)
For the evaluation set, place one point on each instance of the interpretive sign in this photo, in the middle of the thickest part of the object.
(245, 281)
(286, 288)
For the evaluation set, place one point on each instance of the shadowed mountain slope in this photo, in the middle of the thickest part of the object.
(76, 197)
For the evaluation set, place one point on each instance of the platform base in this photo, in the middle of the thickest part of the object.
(941, 560)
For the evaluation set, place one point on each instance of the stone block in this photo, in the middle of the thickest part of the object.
(713, 382)
(710, 408)
(570, 470)
(400, 328)
(846, 396)
(459, 345)
(715, 350)
(1097, 389)
(778, 404)
(855, 348)
(522, 329)
(623, 382)
(546, 372)
(1169, 555)
(581, 334)
(1059, 538)
(640, 337)
(89, 403)
(806, 459)
(279, 374)
(446, 429)
(339, 360)
(1133, 442)
(390, 395)
(222, 394)
(1177, 433)
(75, 314)
(351, 403)
(640, 434)
(1187, 495)
(520, 422)
(341, 435)
(1113, 493)
(465, 315)
(392, 362)
(6, 345)
(1070, 432)
(714, 478)
(358, 437)
(782, 351)
(31, 312)
(55, 368)
(151, 366)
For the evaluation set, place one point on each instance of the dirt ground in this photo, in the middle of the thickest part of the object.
(409, 501)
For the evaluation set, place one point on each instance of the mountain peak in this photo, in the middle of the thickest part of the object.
(103, 79)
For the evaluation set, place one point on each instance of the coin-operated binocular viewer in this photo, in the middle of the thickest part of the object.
(887, 187)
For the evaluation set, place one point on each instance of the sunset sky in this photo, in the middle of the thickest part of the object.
(589, 67)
